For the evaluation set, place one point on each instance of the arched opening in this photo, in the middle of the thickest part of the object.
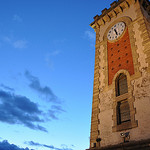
(121, 85)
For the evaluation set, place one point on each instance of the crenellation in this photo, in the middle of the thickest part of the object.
(115, 9)
(113, 4)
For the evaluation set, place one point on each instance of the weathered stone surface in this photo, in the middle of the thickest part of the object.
(142, 86)
(104, 125)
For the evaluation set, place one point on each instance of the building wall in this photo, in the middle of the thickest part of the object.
(103, 122)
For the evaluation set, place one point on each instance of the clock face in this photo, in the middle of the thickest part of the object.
(116, 31)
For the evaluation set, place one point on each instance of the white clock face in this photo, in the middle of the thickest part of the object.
(116, 31)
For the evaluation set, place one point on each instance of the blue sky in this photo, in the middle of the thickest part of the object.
(47, 70)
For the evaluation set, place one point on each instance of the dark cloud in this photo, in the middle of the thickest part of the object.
(5, 145)
(6, 87)
(57, 108)
(54, 111)
(45, 91)
(16, 109)
(48, 93)
(48, 146)
(52, 114)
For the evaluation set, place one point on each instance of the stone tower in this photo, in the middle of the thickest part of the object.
(121, 93)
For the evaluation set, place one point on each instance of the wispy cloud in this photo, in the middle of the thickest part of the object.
(59, 41)
(53, 112)
(54, 53)
(49, 57)
(17, 18)
(65, 147)
(55, 104)
(17, 109)
(47, 146)
(57, 108)
(46, 91)
(18, 44)
(7, 87)
(5, 145)
(90, 35)
(49, 62)
(7, 39)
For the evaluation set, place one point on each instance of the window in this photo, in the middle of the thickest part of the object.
(123, 112)
(123, 109)
(121, 85)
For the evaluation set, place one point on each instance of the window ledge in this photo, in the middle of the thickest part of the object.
(125, 126)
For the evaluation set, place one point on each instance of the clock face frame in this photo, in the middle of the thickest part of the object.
(116, 31)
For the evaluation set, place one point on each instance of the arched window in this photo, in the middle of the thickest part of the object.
(123, 108)
(121, 85)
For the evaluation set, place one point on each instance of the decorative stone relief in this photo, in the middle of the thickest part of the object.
(101, 70)
(105, 100)
(140, 47)
(141, 86)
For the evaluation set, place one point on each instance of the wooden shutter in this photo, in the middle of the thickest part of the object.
(123, 88)
(121, 85)
(123, 112)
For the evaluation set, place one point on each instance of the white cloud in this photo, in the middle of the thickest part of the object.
(49, 58)
(17, 18)
(49, 61)
(54, 53)
(90, 35)
(20, 44)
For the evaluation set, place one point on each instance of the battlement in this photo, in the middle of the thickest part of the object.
(116, 8)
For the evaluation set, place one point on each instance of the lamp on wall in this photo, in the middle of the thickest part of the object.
(125, 136)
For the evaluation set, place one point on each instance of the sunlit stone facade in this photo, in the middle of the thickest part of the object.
(121, 93)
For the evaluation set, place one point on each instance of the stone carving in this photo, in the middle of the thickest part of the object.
(141, 86)
(105, 100)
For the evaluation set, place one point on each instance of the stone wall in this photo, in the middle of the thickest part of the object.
(103, 121)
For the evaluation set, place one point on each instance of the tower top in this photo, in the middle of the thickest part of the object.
(115, 8)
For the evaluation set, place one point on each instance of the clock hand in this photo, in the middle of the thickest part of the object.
(116, 31)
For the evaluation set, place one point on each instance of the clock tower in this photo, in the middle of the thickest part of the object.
(121, 91)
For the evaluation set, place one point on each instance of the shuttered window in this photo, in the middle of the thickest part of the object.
(123, 110)
(121, 85)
